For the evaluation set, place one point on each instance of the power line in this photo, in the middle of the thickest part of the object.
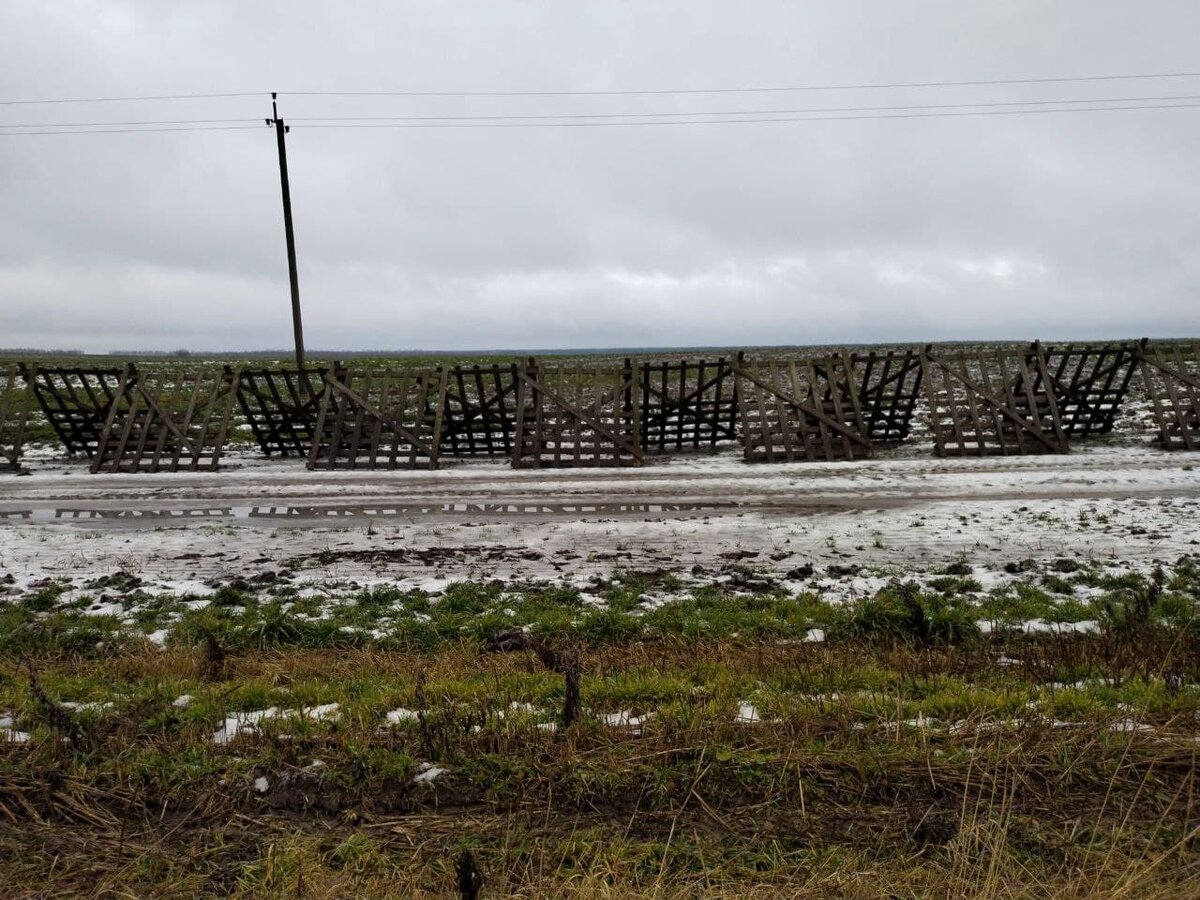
(838, 118)
(659, 118)
(745, 90)
(151, 122)
(740, 112)
(4, 134)
(616, 93)
(132, 99)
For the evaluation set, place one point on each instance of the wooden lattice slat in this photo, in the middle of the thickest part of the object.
(167, 421)
(889, 386)
(1171, 373)
(575, 414)
(14, 414)
(982, 402)
(380, 419)
(281, 407)
(687, 405)
(76, 403)
(795, 410)
(1088, 382)
(480, 415)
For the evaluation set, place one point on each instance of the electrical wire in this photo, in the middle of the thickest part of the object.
(4, 134)
(133, 99)
(616, 93)
(741, 112)
(951, 110)
(744, 90)
(753, 121)
(123, 124)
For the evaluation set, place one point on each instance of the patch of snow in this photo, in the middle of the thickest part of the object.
(747, 714)
(815, 636)
(244, 721)
(322, 712)
(9, 733)
(182, 701)
(96, 706)
(262, 784)
(625, 719)
(1041, 626)
(428, 773)
(396, 716)
(1128, 725)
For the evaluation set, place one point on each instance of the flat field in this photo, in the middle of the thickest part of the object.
(897, 677)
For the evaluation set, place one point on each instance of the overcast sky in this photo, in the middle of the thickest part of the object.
(1083, 225)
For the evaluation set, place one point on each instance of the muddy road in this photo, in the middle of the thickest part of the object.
(486, 520)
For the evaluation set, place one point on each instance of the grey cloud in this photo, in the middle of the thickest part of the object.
(1080, 225)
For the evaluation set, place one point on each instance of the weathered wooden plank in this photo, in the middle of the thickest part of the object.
(379, 419)
(800, 411)
(166, 421)
(1171, 374)
(577, 415)
(76, 401)
(14, 415)
(479, 411)
(281, 407)
(982, 403)
(684, 405)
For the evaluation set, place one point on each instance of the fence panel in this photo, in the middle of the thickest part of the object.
(281, 407)
(167, 421)
(480, 414)
(1172, 377)
(576, 414)
(982, 402)
(380, 419)
(889, 386)
(1089, 383)
(687, 405)
(76, 403)
(14, 415)
(801, 410)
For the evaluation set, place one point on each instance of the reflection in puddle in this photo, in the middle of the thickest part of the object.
(282, 511)
(217, 512)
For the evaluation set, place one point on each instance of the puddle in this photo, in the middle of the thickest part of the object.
(289, 512)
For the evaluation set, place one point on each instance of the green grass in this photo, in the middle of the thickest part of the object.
(910, 754)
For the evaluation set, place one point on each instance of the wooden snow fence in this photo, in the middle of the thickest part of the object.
(479, 416)
(281, 407)
(1171, 373)
(577, 414)
(166, 421)
(1089, 383)
(793, 410)
(14, 415)
(77, 401)
(388, 418)
(982, 402)
(889, 384)
(687, 405)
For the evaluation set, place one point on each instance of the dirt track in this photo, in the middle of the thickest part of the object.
(486, 520)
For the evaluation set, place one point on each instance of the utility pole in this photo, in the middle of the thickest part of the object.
(280, 130)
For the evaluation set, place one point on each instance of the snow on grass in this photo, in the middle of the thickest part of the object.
(248, 722)
(427, 773)
(747, 714)
(8, 731)
(401, 715)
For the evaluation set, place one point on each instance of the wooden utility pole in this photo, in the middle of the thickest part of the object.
(280, 131)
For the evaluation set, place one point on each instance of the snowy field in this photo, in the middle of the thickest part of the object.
(839, 527)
